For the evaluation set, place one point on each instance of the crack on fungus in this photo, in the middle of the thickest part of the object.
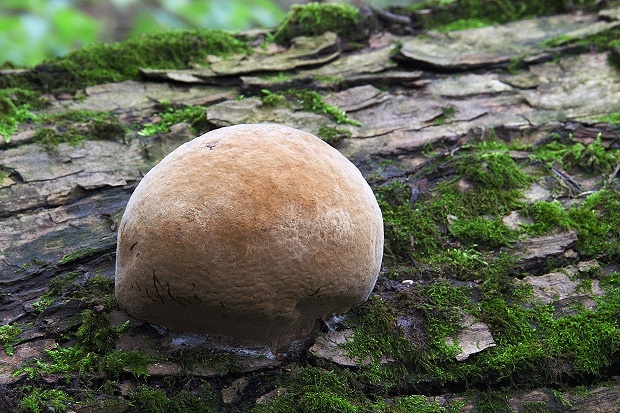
(155, 282)
(133, 246)
(178, 300)
(316, 292)
(149, 295)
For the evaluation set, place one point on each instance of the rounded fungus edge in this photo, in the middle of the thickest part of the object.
(250, 233)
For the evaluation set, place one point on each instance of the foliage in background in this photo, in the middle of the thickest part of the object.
(31, 31)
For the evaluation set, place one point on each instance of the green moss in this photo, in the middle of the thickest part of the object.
(447, 113)
(313, 101)
(16, 107)
(597, 222)
(93, 353)
(419, 404)
(170, 115)
(462, 264)
(613, 118)
(76, 116)
(417, 347)
(95, 334)
(546, 216)
(376, 334)
(95, 291)
(464, 24)
(59, 286)
(8, 336)
(516, 65)
(91, 335)
(602, 42)
(415, 229)
(314, 19)
(272, 99)
(450, 231)
(609, 281)
(534, 345)
(316, 390)
(39, 400)
(333, 135)
(614, 52)
(490, 233)
(536, 407)
(153, 400)
(462, 13)
(19, 97)
(11, 116)
(557, 41)
(492, 169)
(76, 255)
(409, 230)
(493, 402)
(593, 158)
(442, 308)
(116, 62)
(76, 127)
(119, 362)
(309, 100)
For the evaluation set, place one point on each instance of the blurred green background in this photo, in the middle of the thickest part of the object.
(33, 30)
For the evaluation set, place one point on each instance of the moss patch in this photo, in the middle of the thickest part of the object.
(461, 14)
(464, 24)
(16, 107)
(535, 346)
(76, 127)
(39, 400)
(150, 399)
(314, 19)
(8, 336)
(601, 42)
(491, 184)
(309, 100)
(317, 390)
(453, 230)
(76, 255)
(593, 158)
(92, 353)
(333, 135)
(195, 116)
(116, 62)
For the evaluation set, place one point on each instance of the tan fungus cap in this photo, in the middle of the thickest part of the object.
(249, 232)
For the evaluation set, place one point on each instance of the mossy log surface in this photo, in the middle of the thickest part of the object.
(494, 154)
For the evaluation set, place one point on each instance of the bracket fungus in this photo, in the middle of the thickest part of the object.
(251, 233)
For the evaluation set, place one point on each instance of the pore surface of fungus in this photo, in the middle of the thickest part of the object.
(250, 232)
